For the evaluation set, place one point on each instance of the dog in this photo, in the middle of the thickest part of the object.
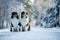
(25, 21)
(15, 22)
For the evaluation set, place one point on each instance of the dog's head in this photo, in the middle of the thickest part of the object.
(14, 14)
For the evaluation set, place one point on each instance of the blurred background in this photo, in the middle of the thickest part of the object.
(42, 13)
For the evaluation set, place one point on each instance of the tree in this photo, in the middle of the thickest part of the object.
(29, 7)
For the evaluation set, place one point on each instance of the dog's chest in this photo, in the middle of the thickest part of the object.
(15, 22)
(24, 21)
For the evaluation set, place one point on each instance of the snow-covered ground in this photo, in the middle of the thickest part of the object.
(5, 30)
(36, 33)
(40, 29)
(30, 35)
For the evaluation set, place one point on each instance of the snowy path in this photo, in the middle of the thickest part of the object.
(34, 34)
(31, 35)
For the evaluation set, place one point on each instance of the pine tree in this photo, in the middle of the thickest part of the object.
(29, 7)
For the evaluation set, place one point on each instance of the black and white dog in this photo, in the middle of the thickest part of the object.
(15, 22)
(25, 21)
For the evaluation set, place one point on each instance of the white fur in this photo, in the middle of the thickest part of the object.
(15, 22)
(24, 21)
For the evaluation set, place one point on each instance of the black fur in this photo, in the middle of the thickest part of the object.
(22, 13)
(19, 24)
(12, 25)
(14, 13)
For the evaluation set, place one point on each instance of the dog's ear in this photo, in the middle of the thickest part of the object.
(19, 24)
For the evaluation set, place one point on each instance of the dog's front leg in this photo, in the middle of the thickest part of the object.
(23, 28)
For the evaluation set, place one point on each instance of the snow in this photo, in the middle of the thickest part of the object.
(5, 30)
(40, 29)
(36, 33)
(30, 35)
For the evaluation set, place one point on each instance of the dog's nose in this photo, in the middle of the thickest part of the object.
(26, 16)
